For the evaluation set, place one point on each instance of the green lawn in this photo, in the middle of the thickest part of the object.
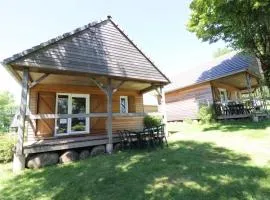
(243, 127)
(189, 169)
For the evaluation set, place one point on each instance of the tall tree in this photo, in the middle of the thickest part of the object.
(243, 24)
(221, 51)
(7, 109)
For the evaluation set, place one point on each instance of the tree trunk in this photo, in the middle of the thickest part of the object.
(266, 71)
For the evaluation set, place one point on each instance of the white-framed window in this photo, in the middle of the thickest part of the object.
(123, 104)
(223, 95)
(67, 103)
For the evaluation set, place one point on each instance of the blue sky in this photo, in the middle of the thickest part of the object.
(157, 27)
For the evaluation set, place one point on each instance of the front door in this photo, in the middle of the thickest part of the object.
(223, 95)
(46, 105)
(72, 104)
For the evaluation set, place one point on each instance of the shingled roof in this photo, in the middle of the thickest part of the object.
(97, 48)
(223, 66)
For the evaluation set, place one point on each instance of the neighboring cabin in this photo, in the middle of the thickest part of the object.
(83, 86)
(226, 82)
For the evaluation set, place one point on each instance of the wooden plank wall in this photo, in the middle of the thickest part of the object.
(97, 104)
(184, 103)
(150, 108)
(230, 90)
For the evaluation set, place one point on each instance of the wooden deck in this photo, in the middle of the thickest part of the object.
(242, 116)
(56, 144)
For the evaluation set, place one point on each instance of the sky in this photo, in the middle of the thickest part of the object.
(157, 27)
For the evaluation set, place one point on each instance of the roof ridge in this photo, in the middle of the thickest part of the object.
(51, 41)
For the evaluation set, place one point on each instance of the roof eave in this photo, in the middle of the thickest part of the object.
(205, 81)
(78, 73)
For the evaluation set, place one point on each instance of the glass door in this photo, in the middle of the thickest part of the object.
(62, 108)
(79, 106)
(223, 95)
(72, 104)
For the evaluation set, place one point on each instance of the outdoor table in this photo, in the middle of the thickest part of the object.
(139, 134)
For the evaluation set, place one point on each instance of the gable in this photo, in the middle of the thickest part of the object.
(223, 66)
(99, 49)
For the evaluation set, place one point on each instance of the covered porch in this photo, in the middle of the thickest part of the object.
(48, 114)
(239, 96)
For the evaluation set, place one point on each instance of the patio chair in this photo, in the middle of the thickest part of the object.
(218, 109)
(132, 139)
(123, 139)
(147, 137)
(161, 137)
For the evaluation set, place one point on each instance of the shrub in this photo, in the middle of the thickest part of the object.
(150, 121)
(188, 121)
(206, 114)
(6, 148)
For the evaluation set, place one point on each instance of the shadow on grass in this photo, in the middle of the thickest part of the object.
(185, 170)
(232, 126)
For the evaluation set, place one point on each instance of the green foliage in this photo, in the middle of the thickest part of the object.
(188, 121)
(221, 51)
(7, 110)
(150, 121)
(242, 24)
(6, 148)
(206, 114)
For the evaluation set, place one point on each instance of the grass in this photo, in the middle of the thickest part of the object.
(185, 170)
(197, 165)
(242, 127)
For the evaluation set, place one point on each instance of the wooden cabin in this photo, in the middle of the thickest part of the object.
(78, 89)
(230, 83)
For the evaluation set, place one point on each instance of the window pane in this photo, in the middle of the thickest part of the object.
(78, 105)
(62, 125)
(123, 104)
(62, 104)
(78, 124)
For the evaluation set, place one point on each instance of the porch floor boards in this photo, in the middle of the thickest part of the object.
(62, 143)
(242, 116)
(234, 116)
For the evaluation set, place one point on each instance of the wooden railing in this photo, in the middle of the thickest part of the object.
(58, 116)
(243, 107)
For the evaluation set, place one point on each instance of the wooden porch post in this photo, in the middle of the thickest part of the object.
(253, 115)
(262, 93)
(108, 90)
(162, 108)
(248, 85)
(109, 146)
(19, 157)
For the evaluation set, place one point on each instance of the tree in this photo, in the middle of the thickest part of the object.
(221, 51)
(243, 24)
(7, 109)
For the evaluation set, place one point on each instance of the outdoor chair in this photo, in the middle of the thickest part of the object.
(233, 108)
(225, 109)
(218, 109)
(123, 139)
(147, 137)
(249, 107)
(160, 136)
(132, 139)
